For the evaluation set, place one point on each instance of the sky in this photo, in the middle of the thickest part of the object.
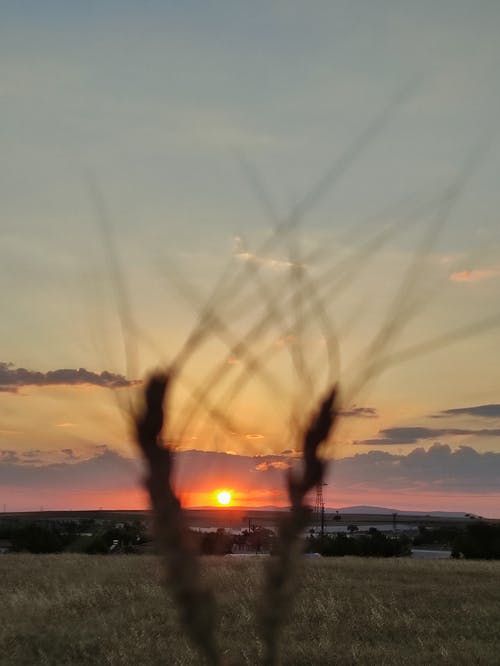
(324, 175)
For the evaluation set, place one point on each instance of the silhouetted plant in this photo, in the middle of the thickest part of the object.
(175, 542)
(281, 573)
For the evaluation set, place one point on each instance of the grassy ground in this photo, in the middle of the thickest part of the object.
(74, 609)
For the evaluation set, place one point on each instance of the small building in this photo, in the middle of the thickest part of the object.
(246, 549)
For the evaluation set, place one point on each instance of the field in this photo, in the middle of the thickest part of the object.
(74, 609)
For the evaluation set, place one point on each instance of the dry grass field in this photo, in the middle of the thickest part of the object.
(74, 609)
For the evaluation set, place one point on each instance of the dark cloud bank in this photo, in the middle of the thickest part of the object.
(439, 469)
(12, 378)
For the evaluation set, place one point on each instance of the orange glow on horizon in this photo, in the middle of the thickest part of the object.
(135, 498)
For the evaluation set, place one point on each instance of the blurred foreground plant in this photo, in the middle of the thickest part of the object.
(182, 566)
(293, 306)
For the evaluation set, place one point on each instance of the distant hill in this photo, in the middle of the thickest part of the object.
(380, 510)
(231, 513)
(364, 509)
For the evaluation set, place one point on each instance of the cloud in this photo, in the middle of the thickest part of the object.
(360, 412)
(414, 434)
(276, 464)
(490, 411)
(202, 470)
(105, 471)
(31, 453)
(8, 457)
(7, 389)
(439, 469)
(69, 453)
(11, 378)
(477, 275)
(110, 470)
(244, 255)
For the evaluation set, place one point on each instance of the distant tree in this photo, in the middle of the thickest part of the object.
(98, 545)
(481, 541)
(36, 538)
(374, 544)
(218, 542)
(442, 535)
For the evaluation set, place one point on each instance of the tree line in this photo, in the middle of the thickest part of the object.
(477, 540)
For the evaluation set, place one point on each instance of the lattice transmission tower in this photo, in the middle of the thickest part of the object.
(319, 509)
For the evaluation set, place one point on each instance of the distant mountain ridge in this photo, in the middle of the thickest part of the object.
(384, 510)
(234, 512)
(367, 510)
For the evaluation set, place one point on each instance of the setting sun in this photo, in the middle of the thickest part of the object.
(223, 497)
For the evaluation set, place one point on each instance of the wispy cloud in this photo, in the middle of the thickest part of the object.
(275, 464)
(360, 412)
(414, 434)
(39, 457)
(8, 457)
(477, 275)
(489, 411)
(245, 255)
